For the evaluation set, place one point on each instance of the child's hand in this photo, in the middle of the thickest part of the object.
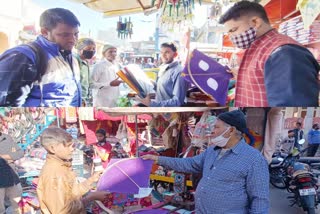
(99, 195)
(95, 177)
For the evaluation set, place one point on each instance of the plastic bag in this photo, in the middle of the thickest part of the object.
(203, 129)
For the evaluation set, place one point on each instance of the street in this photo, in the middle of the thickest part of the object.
(280, 204)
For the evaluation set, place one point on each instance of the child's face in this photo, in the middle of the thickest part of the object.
(100, 137)
(64, 151)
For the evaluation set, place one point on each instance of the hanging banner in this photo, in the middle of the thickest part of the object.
(290, 123)
(310, 9)
(316, 120)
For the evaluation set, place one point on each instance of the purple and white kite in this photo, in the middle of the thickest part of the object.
(129, 175)
(208, 75)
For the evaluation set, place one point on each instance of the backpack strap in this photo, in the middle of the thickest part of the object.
(41, 59)
(41, 62)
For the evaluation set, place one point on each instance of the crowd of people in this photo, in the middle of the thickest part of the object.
(291, 142)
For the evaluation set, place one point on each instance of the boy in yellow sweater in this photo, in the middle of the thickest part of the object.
(58, 190)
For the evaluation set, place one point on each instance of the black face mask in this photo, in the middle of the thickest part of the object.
(88, 54)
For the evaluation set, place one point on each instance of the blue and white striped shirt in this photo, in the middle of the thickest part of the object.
(171, 87)
(237, 183)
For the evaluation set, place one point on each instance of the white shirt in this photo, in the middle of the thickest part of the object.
(102, 75)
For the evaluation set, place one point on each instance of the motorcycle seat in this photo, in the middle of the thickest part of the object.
(302, 173)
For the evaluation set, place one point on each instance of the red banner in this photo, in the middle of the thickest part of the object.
(90, 128)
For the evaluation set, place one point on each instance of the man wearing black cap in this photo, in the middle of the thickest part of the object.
(235, 175)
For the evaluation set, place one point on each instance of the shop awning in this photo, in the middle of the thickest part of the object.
(123, 7)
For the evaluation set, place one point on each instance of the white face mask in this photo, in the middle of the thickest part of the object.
(220, 140)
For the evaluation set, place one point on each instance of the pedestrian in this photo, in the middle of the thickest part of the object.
(105, 83)
(298, 135)
(44, 72)
(10, 187)
(287, 143)
(86, 48)
(171, 87)
(313, 140)
(275, 69)
(235, 175)
(58, 190)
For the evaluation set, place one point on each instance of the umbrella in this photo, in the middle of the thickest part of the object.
(129, 175)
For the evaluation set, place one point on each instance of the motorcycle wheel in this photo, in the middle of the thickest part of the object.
(276, 181)
(311, 211)
(278, 184)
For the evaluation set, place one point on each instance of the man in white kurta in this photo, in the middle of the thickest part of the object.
(105, 82)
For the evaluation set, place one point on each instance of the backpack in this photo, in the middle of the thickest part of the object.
(41, 59)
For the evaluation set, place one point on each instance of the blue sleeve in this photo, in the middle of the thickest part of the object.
(258, 187)
(17, 74)
(186, 165)
(179, 94)
(310, 133)
(291, 77)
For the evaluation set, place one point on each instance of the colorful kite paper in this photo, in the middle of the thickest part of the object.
(208, 75)
(136, 79)
(126, 175)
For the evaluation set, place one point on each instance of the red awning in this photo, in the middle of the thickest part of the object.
(280, 10)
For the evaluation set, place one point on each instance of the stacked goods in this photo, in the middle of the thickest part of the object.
(294, 28)
(136, 79)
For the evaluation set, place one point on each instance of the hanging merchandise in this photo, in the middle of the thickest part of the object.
(203, 130)
(122, 135)
(71, 114)
(309, 11)
(177, 12)
(124, 28)
(215, 10)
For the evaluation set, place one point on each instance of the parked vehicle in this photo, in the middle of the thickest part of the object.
(288, 173)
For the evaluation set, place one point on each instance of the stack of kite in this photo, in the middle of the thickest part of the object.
(136, 79)
(127, 76)
(294, 28)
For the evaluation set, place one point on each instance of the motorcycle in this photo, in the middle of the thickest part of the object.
(288, 173)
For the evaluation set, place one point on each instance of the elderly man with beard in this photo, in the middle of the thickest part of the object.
(235, 175)
(105, 82)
